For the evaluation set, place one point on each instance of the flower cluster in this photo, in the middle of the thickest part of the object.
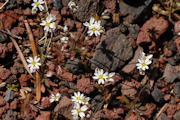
(103, 77)
(144, 61)
(37, 4)
(49, 23)
(34, 63)
(55, 97)
(94, 27)
(80, 108)
(72, 6)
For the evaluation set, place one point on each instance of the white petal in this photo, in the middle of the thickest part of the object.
(84, 108)
(41, 8)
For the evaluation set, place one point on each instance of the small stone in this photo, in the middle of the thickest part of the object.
(157, 95)
(2, 101)
(177, 89)
(9, 95)
(75, 66)
(85, 85)
(4, 73)
(176, 115)
(162, 117)
(113, 51)
(57, 4)
(64, 107)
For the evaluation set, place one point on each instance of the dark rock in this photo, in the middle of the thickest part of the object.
(133, 31)
(123, 28)
(172, 46)
(113, 51)
(11, 115)
(75, 66)
(177, 89)
(57, 4)
(157, 95)
(9, 95)
(97, 103)
(176, 115)
(65, 2)
(171, 73)
(162, 117)
(135, 13)
(3, 37)
(174, 60)
(86, 9)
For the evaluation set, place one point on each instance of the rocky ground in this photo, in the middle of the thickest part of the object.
(130, 27)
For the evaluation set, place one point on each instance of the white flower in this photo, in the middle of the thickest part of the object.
(65, 28)
(143, 64)
(34, 63)
(109, 77)
(79, 110)
(85, 100)
(37, 4)
(72, 6)
(64, 39)
(144, 57)
(94, 27)
(55, 97)
(99, 74)
(178, 33)
(89, 114)
(49, 24)
(78, 97)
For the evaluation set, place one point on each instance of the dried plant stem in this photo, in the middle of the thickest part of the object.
(20, 54)
(161, 110)
(4, 4)
(34, 50)
(12, 35)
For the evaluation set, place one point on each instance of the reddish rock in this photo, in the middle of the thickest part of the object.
(177, 27)
(131, 66)
(129, 88)
(64, 107)
(69, 23)
(171, 109)
(44, 115)
(3, 51)
(67, 76)
(27, 11)
(45, 102)
(18, 30)
(154, 27)
(177, 42)
(85, 85)
(133, 116)
(4, 73)
(23, 80)
(150, 107)
(2, 101)
(167, 97)
(98, 115)
(14, 104)
(114, 114)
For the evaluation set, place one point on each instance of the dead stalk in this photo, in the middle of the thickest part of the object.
(4, 4)
(34, 50)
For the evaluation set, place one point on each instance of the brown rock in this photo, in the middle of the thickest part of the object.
(150, 107)
(113, 51)
(14, 104)
(177, 27)
(114, 114)
(27, 11)
(4, 73)
(23, 80)
(110, 5)
(18, 30)
(3, 51)
(2, 101)
(64, 107)
(85, 85)
(133, 116)
(69, 23)
(129, 88)
(152, 29)
(98, 115)
(171, 109)
(131, 66)
(177, 42)
(67, 76)
(10, 47)
(44, 115)
(86, 9)
(45, 102)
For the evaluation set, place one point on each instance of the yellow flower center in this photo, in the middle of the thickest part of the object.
(48, 24)
(37, 3)
(143, 64)
(79, 110)
(84, 100)
(144, 58)
(94, 29)
(55, 98)
(100, 76)
(107, 77)
(33, 63)
(78, 98)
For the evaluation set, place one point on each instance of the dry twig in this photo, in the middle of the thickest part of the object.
(4, 4)
(34, 50)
